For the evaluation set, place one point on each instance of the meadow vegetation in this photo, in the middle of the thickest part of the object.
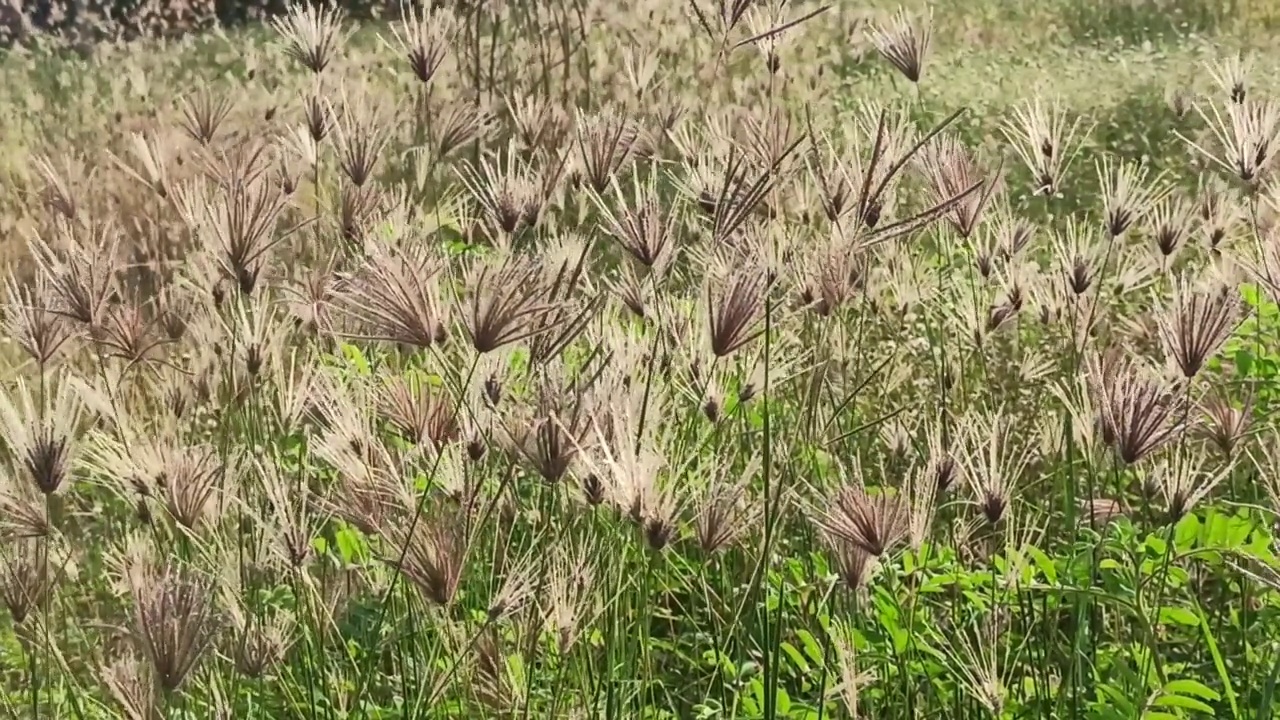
(750, 359)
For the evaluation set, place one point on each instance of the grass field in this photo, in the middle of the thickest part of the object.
(772, 360)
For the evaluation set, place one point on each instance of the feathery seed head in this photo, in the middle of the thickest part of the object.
(1045, 141)
(1140, 412)
(434, 551)
(1127, 194)
(510, 193)
(876, 523)
(1197, 321)
(26, 576)
(904, 42)
(81, 272)
(1231, 74)
(39, 332)
(360, 137)
(1246, 138)
(458, 125)
(394, 296)
(505, 300)
(174, 615)
(725, 512)
(952, 171)
(1170, 222)
(421, 412)
(994, 464)
(424, 38)
(202, 115)
(1183, 482)
(605, 141)
(312, 34)
(41, 426)
(132, 685)
(260, 637)
(1224, 424)
(642, 224)
(1078, 255)
(736, 291)
(570, 594)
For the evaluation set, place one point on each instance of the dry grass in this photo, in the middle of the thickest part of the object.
(567, 362)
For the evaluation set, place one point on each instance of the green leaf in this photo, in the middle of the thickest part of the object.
(1244, 361)
(1043, 562)
(1186, 532)
(1187, 686)
(1219, 665)
(355, 356)
(1180, 701)
(796, 658)
(1179, 616)
(811, 648)
(784, 702)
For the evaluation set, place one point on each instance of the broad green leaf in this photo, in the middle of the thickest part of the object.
(811, 647)
(1178, 615)
(1187, 686)
(796, 658)
(1181, 701)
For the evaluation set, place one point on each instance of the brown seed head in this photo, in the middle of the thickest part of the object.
(1197, 322)
(202, 114)
(394, 296)
(174, 616)
(904, 42)
(1141, 412)
(312, 34)
(424, 38)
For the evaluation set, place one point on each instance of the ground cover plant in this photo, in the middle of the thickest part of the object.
(750, 359)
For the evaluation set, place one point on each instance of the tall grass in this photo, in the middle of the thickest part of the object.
(550, 361)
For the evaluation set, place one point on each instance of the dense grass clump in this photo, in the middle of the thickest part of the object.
(755, 360)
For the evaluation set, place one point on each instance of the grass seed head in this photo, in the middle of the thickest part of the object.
(312, 35)
(903, 41)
